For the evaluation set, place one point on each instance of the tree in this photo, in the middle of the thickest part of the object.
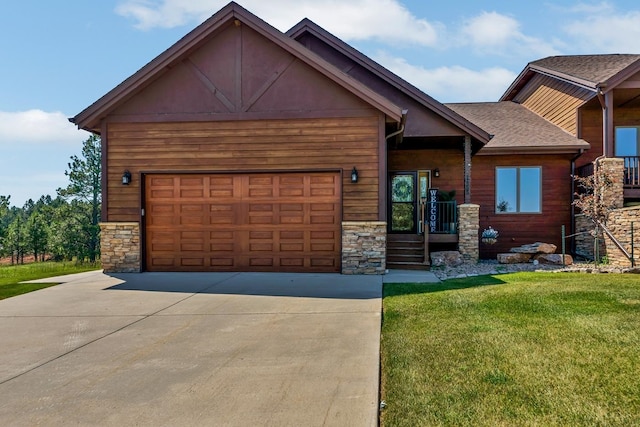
(37, 234)
(67, 237)
(595, 202)
(16, 239)
(4, 223)
(85, 186)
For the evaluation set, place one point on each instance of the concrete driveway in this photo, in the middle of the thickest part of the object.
(215, 349)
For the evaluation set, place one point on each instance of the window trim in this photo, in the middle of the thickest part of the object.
(518, 189)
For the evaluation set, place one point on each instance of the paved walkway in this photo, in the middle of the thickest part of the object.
(224, 349)
(410, 276)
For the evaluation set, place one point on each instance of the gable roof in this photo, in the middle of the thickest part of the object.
(89, 119)
(518, 129)
(591, 72)
(308, 26)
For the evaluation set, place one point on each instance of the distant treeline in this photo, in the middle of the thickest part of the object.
(65, 227)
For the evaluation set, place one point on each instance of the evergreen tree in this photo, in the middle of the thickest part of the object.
(85, 189)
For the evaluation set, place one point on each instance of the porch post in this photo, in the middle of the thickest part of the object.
(467, 169)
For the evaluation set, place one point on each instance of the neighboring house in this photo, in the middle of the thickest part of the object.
(241, 148)
(593, 97)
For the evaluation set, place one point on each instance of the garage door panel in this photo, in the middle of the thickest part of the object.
(254, 222)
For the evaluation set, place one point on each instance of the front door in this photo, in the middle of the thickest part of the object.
(403, 199)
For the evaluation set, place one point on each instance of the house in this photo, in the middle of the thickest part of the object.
(597, 99)
(593, 97)
(241, 148)
(238, 148)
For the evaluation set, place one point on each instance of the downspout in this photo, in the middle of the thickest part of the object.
(403, 121)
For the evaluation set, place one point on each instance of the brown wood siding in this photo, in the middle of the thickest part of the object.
(520, 229)
(246, 146)
(590, 131)
(449, 162)
(554, 100)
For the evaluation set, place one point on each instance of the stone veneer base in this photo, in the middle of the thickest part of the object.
(364, 247)
(120, 247)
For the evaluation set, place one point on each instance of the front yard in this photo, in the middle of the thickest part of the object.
(12, 275)
(518, 349)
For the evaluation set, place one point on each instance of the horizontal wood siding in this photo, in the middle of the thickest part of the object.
(590, 131)
(554, 100)
(250, 145)
(520, 229)
(449, 162)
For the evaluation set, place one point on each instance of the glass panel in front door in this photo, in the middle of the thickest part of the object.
(403, 202)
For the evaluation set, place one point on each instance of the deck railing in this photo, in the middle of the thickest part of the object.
(631, 171)
(441, 217)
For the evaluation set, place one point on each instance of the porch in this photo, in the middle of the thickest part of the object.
(437, 229)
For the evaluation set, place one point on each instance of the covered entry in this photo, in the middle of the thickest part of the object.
(243, 222)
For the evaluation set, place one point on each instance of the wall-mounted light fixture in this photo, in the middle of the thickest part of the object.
(354, 174)
(126, 178)
(436, 173)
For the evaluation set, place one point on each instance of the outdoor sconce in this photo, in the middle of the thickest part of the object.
(436, 173)
(354, 174)
(126, 178)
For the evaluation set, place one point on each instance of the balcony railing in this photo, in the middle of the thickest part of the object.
(631, 171)
(441, 217)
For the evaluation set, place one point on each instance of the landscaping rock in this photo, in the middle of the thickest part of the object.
(555, 259)
(535, 248)
(514, 258)
(446, 259)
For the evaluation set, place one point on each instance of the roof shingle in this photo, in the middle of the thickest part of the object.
(516, 128)
(590, 68)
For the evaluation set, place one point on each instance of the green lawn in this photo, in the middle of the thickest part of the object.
(11, 276)
(521, 349)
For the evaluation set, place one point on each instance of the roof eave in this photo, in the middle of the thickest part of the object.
(90, 117)
(619, 77)
(559, 149)
(307, 25)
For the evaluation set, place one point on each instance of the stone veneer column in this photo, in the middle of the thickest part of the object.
(120, 247)
(468, 228)
(615, 168)
(364, 247)
(619, 224)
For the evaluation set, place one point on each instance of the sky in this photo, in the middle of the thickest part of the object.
(58, 57)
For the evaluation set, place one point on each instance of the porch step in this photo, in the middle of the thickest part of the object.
(405, 252)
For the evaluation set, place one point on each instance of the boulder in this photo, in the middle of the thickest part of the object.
(514, 258)
(535, 248)
(555, 259)
(446, 259)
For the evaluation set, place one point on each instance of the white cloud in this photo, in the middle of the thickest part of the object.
(36, 147)
(37, 126)
(608, 33)
(491, 29)
(452, 84)
(492, 32)
(386, 21)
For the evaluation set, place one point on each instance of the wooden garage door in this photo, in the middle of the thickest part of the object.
(254, 222)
